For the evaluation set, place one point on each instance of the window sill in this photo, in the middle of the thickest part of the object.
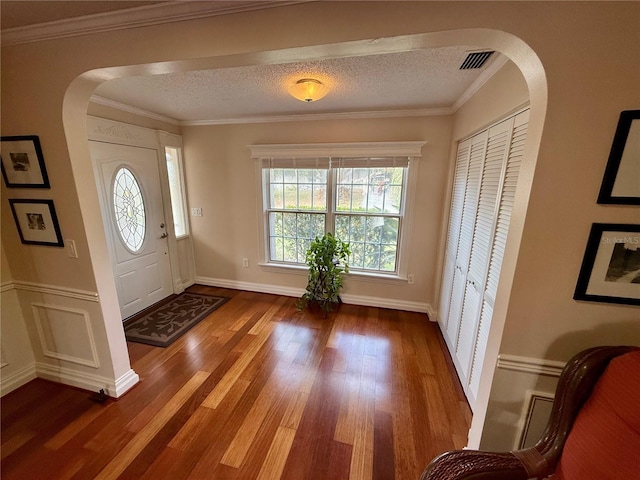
(355, 275)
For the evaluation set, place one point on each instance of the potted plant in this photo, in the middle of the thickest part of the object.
(327, 259)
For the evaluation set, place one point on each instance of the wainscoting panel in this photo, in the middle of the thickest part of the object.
(536, 416)
(17, 361)
(65, 334)
(525, 387)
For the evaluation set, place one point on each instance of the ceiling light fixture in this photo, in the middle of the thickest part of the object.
(308, 89)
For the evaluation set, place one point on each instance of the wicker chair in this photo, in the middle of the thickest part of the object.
(575, 385)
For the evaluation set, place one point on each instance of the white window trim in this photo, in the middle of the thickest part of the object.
(412, 150)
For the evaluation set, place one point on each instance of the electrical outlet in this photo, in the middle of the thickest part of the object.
(410, 279)
(196, 211)
(245, 262)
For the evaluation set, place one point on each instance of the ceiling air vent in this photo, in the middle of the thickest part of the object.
(475, 60)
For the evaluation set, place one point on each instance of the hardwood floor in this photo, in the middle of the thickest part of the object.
(255, 391)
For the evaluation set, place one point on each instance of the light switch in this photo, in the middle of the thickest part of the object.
(72, 252)
(196, 211)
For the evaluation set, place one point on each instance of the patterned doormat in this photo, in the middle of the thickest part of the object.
(164, 324)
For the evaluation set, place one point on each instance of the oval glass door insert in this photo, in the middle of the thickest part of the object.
(128, 206)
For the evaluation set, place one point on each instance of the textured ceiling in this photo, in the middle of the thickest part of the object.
(420, 79)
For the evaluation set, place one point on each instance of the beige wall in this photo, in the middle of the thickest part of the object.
(221, 178)
(587, 77)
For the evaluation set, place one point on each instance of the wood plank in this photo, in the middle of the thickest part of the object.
(135, 446)
(277, 456)
(218, 393)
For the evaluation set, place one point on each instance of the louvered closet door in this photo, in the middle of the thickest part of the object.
(507, 197)
(484, 188)
(453, 231)
(463, 248)
(499, 138)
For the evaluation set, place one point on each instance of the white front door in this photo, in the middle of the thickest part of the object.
(133, 214)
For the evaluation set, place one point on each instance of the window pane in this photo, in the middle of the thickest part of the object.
(344, 175)
(276, 175)
(303, 246)
(319, 197)
(388, 255)
(390, 231)
(359, 198)
(305, 176)
(304, 225)
(290, 175)
(277, 249)
(291, 234)
(290, 251)
(129, 210)
(392, 199)
(370, 190)
(289, 223)
(357, 255)
(371, 256)
(318, 222)
(373, 240)
(374, 229)
(304, 198)
(357, 229)
(275, 224)
(319, 176)
(342, 228)
(277, 195)
(172, 156)
(290, 197)
(344, 198)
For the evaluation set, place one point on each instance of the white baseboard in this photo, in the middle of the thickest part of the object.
(123, 384)
(10, 382)
(87, 381)
(297, 292)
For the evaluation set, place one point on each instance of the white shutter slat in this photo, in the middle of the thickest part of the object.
(506, 206)
(476, 159)
(480, 348)
(453, 231)
(489, 189)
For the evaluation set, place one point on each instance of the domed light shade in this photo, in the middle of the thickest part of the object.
(308, 90)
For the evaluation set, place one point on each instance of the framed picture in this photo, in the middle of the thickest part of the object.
(610, 269)
(621, 182)
(23, 163)
(37, 222)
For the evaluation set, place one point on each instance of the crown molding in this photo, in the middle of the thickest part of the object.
(130, 109)
(144, 16)
(424, 112)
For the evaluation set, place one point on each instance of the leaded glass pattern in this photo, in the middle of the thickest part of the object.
(128, 206)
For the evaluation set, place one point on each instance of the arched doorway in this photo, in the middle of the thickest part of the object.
(79, 92)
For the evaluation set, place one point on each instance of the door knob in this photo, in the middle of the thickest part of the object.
(162, 225)
(164, 235)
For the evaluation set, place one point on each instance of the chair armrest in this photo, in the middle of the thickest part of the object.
(475, 465)
(576, 383)
(578, 378)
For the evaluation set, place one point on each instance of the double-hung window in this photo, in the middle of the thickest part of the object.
(359, 192)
